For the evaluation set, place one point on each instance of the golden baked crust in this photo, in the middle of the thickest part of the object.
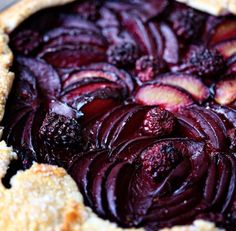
(45, 197)
(27, 8)
(216, 7)
(6, 77)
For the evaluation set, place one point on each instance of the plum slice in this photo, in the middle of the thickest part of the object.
(12, 124)
(96, 103)
(223, 31)
(75, 21)
(79, 169)
(92, 130)
(210, 183)
(69, 56)
(120, 122)
(60, 36)
(158, 37)
(151, 9)
(121, 74)
(227, 112)
(142, 191)
(167, 212)
(109, 124)
(231, 62)
(171, 51)
(88, 75)
(231, 188)
(169, 97)
(146, 10)
(128, 127)
(224, 171)
(27, 139)
(96, 178)
(187, 127)
(96, 108)
(63, 109)
(210, 127)
(140, 32)
(130, 150)
(183, 218)
(108, 18)
(116, 188)
(47, 78)
(225, 91)
(211, 115)
(190, 83)
(227, 48)
(101, 71)
(86, 89)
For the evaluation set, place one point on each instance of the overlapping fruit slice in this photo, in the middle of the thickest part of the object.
(223, 30)
(205, 124)
(225, 91)
(190, 83)
(167, 96)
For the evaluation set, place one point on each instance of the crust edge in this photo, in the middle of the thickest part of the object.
(215, 7)
(9, 20)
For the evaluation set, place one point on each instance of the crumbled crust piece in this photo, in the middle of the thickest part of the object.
(6, 155)
(216, 7)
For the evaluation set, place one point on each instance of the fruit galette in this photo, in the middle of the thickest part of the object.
(136, 99)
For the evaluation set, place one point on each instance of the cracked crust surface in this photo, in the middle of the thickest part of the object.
(45, 197)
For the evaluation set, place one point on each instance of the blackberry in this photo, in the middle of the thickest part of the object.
(206, 62)
(89, 10)
(122, 54)
(160, 159)
(60, 130)
(158, 122)
(147, 67)
(187, 23)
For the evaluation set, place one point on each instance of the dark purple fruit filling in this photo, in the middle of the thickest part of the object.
(60, 130)
(148, 67)
(136, 99)
(123, 54)
(206, 63)
(187, 23)
(158, 160)
(158, 122)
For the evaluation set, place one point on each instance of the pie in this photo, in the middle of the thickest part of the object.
(134, 99)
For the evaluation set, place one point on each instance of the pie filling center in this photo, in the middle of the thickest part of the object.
(136, 99)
